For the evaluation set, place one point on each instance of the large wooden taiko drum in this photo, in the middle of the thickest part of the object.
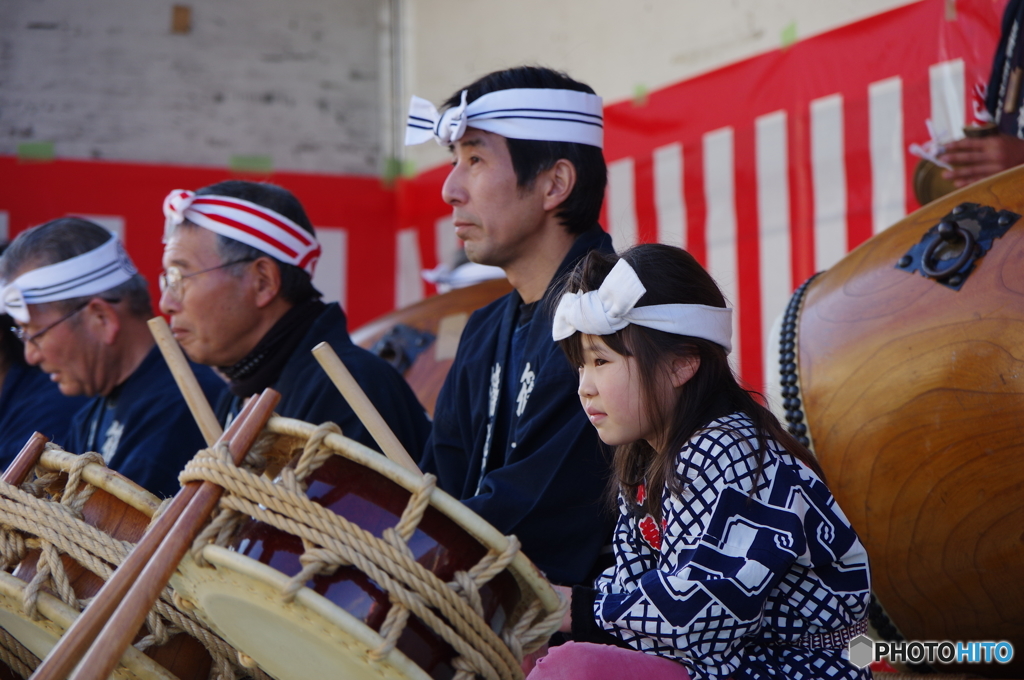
(61, 535)
(351, 566)
(904, 367)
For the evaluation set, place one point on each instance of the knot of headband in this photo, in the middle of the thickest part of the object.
(88, 274)
(266, 230)
(611, 308)
(526, 113)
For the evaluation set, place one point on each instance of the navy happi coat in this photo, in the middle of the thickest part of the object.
(143, 428)
(530, 464)
(308, 394)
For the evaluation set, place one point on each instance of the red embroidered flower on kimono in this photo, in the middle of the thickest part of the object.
(648, 527)
(651, 532)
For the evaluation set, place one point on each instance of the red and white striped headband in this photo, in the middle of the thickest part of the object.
(265, 230)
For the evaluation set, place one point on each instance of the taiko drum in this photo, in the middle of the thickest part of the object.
(909, 384)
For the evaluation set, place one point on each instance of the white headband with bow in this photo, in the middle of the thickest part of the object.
(91, 273)
(610, 308)
(524, 113)
(266, 230)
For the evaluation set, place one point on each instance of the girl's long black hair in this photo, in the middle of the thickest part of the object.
(672, 276)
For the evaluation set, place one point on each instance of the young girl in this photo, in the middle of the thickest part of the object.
(732, 558)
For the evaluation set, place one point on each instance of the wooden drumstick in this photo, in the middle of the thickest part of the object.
(363, 407)
(26, 459)
(76, 640)
(123, 625)
(186, 379)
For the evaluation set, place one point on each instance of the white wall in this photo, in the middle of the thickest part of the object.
(616, 46)
(295, 80)
(308, 83)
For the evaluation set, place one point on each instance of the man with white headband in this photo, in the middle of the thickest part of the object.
(526, 190)
(29, 402)
(237, 284)
(81, 308)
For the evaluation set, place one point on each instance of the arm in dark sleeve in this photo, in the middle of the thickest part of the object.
(157, 448)
(448, 449)
(550, 491)
(315, 399)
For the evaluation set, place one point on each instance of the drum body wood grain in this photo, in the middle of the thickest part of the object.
(913, 395)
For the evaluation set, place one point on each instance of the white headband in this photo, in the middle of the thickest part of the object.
(610, 308)
(264, 229)
(91, 273)
(528, 113)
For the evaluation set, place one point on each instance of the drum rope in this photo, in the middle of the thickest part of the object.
(57, 528)
(16, 655)
(375, 564)
(332, 541)
(345, 543)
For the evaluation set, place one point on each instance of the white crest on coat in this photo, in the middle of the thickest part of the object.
(526, 382)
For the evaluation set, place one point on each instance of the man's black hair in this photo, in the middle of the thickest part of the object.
(11, 349)
(581, 209)
(296, 284)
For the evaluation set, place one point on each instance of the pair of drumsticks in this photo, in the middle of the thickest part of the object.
(109, 624)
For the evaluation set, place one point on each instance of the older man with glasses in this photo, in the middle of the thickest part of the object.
(28, 400)
(81, 309)
(237, 284)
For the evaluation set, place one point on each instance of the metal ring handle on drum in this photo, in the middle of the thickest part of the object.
(948, 231)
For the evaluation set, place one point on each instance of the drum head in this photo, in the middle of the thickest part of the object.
(40, 636)
(310, 637)
(120, 509)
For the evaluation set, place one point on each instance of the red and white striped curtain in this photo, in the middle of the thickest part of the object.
(774, 168)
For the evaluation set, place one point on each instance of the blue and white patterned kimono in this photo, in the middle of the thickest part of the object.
(734, 584)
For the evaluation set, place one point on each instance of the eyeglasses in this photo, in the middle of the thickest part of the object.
(171, 279)
(34, 338)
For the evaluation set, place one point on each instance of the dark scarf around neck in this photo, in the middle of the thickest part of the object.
(261, 367)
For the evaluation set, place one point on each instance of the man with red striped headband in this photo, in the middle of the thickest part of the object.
(237, 284)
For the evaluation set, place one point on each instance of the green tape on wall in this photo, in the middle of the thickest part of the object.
(263, 165)
(788, 34)
(640, 93)
(35, 151)
(395, 168)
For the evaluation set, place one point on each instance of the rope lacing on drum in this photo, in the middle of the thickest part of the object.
(452, 610)
(45, 516)
(16, 655)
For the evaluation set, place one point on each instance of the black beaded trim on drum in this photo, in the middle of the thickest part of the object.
(790, 386)
(790, 390)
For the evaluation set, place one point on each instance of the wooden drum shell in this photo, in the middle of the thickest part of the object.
(122, 510)
(913, 395)
(375, 503)
(333, 623)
